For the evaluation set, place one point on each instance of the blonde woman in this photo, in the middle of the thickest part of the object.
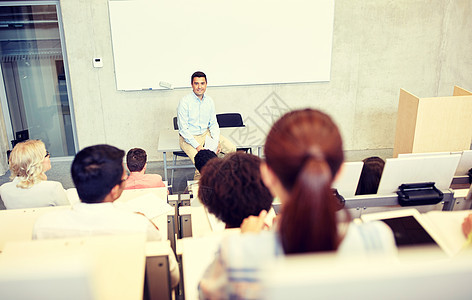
(29, 161)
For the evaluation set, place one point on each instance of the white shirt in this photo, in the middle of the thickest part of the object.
(195, 116)
(85, 219)
(44, 193)
(93, 219)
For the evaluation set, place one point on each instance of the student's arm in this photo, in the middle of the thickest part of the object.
(182, 120)
(159, 182)
(153, 233)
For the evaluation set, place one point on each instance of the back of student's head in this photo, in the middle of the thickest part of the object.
(96, 170)
(26, 162)
(304, 150)
(232, 189)
(136, 159)
(202, 157)
(370, 176)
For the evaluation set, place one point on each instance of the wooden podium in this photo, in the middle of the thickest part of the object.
(439, 124)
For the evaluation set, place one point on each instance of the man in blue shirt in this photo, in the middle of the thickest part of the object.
(197, 118)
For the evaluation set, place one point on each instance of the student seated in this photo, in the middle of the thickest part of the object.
(202, 157)
(232, 189)
(136, 163)
(303, 154)
(30, 188)
(370, 176)
(99, 175)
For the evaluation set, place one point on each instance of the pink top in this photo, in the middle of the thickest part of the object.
(137, 180)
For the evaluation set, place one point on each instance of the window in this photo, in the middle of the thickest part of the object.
(34, 87)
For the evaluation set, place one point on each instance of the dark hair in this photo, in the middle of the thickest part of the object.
(370, 176)
(198, 74)
(304, 150)
(96, 170)
(136, 159)
(232, 189)
(202, 157)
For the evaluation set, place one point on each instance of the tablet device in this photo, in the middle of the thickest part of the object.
(409, 228)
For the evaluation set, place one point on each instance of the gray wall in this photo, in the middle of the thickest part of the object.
(379, 47)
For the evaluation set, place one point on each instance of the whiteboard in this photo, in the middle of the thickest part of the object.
(241, 42)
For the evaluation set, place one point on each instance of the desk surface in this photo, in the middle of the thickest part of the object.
(197, 255)
(114, 263)
(22, 220)
(239, 136)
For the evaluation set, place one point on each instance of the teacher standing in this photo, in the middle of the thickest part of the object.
(197, 119)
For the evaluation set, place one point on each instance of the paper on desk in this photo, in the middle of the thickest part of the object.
(448, 225)
(211, 143)
(148, 204)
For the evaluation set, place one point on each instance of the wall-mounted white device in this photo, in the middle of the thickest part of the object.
(97, 62)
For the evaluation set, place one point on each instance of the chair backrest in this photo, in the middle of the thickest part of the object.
(176, 125)
(224, 120)
(17, 224)
(229, 120)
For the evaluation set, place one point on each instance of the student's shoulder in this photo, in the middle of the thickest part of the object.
(155, 177)
(51, 183)
(373, 228)
(256, 246)
(6, 185)
(366, 237)
(55, 216)
(127, 214)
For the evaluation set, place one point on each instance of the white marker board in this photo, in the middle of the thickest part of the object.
(240, 42)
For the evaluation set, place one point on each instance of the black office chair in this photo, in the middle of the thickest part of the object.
(229, 120)
(232, 120)
(176, 154)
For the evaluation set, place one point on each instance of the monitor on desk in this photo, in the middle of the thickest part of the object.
(438, 169)
(347, 178)
(465, 163)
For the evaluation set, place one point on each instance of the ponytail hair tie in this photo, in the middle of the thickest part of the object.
(315, 153)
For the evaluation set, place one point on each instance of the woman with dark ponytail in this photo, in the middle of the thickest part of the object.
(303, 153)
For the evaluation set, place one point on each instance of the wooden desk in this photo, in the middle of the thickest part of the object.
(197, 254)
(169, 142)
(17, 224)
(99, 267)
(20, 222)
(158, 280)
